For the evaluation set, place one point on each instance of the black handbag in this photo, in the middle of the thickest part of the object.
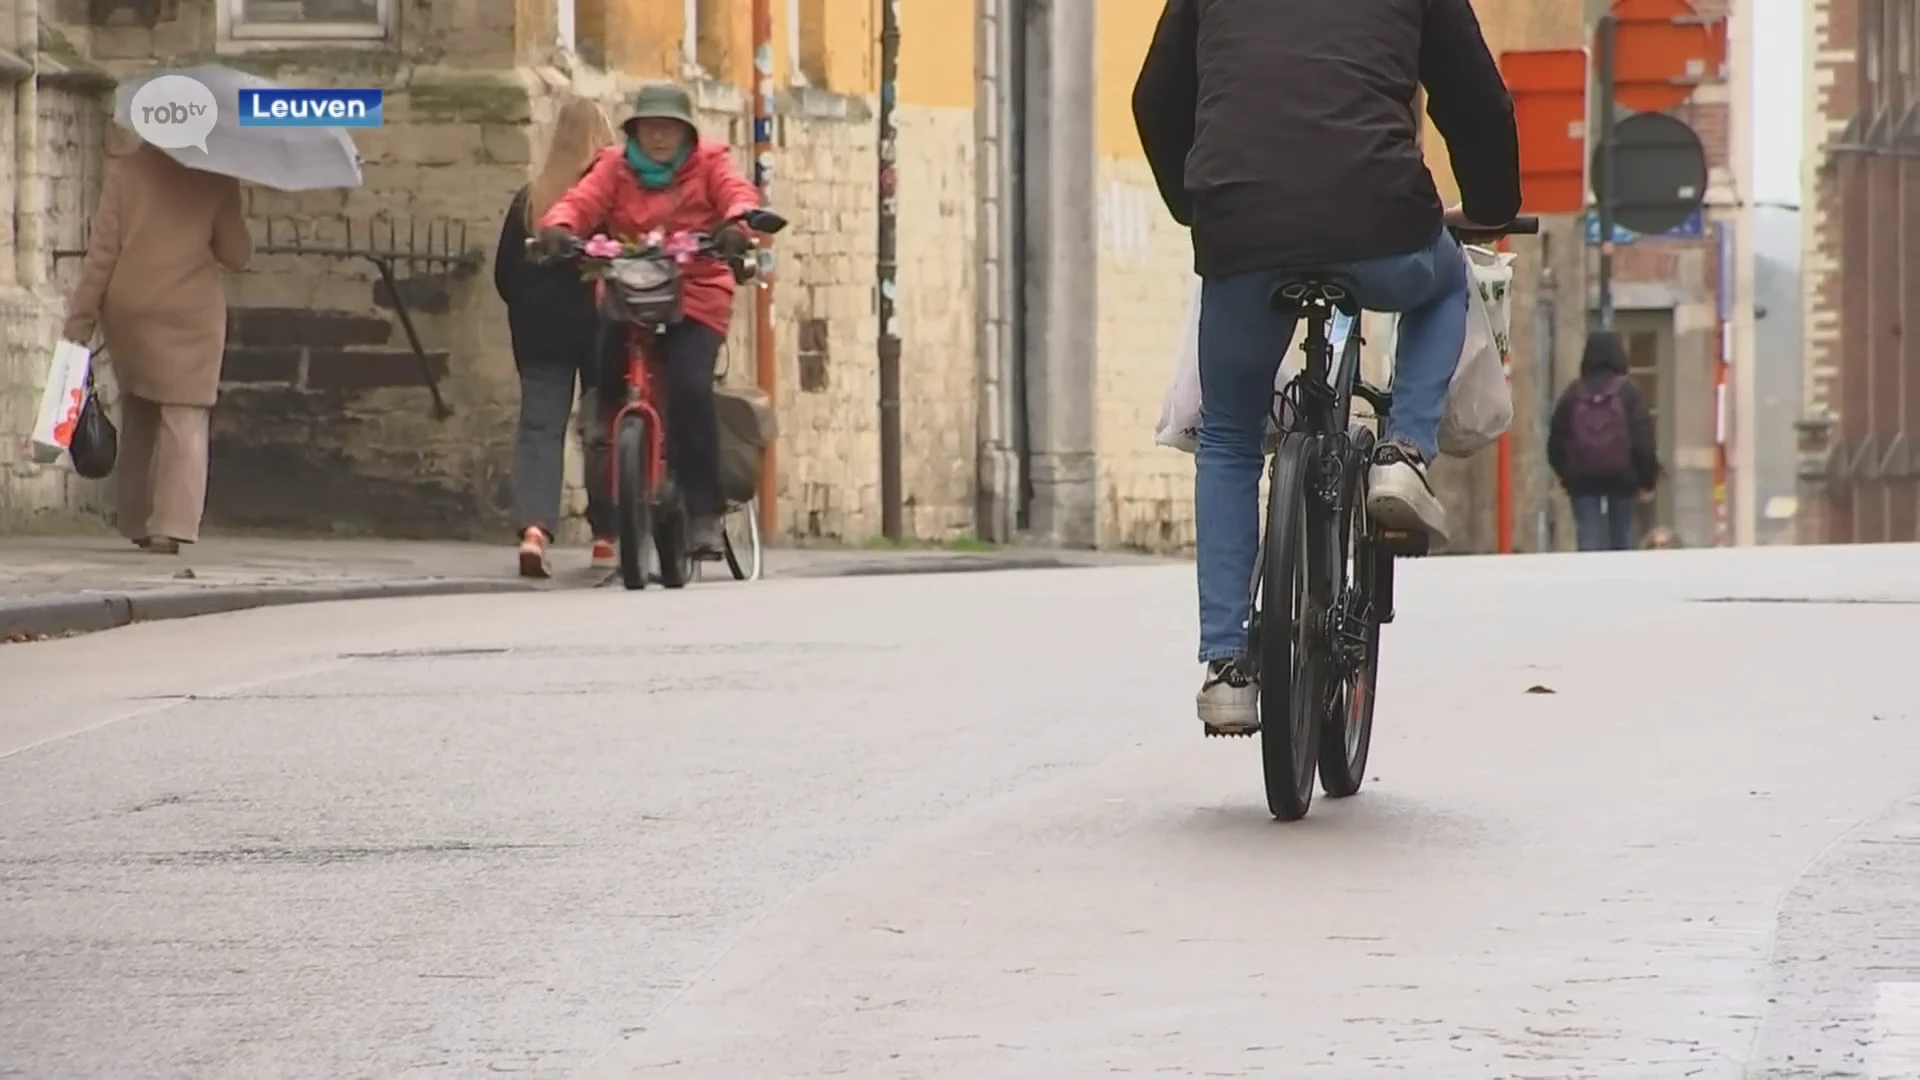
(96, 442)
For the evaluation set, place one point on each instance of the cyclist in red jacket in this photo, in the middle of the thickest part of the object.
(663, 175)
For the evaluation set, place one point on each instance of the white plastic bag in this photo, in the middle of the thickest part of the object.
(1479, 402)
(60, 401)
(1180, 405)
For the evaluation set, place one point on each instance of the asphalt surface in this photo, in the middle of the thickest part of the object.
(965, 826)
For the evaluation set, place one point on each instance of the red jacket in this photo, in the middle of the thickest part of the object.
(706, 193)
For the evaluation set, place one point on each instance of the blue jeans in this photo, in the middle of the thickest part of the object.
(1603, 522)
(1242, 341)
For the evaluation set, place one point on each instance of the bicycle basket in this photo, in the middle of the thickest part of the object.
(643, 290)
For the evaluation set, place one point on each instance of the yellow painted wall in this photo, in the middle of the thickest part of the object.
(839, 44)
(1122, 34)
(937, 45)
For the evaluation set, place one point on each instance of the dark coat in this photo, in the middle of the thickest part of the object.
(550, 312)
(1603, 362)
(1284, 132)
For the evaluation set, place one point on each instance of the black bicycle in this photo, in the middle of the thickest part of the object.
(1325, 571)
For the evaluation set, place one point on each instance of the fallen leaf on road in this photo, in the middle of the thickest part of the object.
(1536, 688)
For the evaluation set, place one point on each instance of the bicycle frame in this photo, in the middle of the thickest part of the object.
(641, 341)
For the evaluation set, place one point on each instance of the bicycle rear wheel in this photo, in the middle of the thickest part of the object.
(670, 544)
(1293, 598)
(740, 538)
(1347, 719)
(633, 495)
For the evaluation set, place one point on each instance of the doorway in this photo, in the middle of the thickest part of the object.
(1647, 338)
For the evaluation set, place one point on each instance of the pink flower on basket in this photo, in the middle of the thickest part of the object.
(681, 245)
(602, 247)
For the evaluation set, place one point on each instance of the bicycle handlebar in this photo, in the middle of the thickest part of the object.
(576, 247)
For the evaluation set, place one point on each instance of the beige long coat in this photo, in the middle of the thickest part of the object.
(152, 276)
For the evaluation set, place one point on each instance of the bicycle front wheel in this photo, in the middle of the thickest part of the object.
(1294, 598)
(633, 495)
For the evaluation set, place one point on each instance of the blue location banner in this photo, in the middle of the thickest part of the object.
(310, 108)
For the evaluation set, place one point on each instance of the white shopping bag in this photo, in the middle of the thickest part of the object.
(60, 401)
(1180, 406)
(1479, 401)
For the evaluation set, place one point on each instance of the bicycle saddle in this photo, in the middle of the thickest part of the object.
(1297, 294)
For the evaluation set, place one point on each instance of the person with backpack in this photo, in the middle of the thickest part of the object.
(1601, 446)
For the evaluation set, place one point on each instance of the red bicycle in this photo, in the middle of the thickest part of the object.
(639, 286)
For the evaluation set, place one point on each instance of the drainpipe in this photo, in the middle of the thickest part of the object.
(1546, 335)
(997, 137)
(765, 359)
(30, 198)
(887, 269)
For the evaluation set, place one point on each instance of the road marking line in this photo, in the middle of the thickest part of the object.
(1893, 1053)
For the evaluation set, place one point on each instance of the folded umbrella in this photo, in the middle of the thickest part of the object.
(286, 158)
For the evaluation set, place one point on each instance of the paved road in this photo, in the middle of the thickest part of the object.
(964, 826)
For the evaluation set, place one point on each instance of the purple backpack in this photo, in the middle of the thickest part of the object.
(1599, 442)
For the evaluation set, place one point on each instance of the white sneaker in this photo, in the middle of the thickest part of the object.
(1229, 700)
(1399, 495)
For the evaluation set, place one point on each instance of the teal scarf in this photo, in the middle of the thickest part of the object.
(655, 175)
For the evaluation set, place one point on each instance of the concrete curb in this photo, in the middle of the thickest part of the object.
(90, 612)
(882, 566)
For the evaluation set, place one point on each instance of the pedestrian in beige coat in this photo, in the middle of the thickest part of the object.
(152, 285)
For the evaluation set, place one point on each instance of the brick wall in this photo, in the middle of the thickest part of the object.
(1859, 478)
(66, 161)
(1832, 30)
(1146, 280)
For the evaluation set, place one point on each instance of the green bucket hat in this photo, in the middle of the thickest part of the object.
(661, 101)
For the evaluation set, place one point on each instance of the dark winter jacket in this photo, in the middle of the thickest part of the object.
(550, 312)
(1284, 132)
(1605, 362)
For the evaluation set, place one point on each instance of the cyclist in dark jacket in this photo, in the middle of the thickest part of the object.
(1601, 445)
(1286, 135)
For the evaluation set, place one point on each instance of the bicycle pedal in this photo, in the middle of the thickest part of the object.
(1214, 733)
(1405, 543)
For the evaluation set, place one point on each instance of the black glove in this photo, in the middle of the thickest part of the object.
(552, 242)
(732, 241)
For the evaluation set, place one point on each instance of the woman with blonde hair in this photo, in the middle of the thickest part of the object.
(552, 321)
(151, 286)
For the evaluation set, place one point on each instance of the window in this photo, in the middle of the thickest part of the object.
(796, 54)
(690, 37)
(364, 20)
(1871, 77)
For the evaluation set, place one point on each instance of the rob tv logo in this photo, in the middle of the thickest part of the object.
(290, 108)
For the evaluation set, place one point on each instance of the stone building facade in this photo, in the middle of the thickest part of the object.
(331, 423)
(1036, 323)
(1858, 471)
(50, 132)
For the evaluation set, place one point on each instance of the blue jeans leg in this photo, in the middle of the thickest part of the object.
(1590, 522)
(1620, 522)
(1429, 289)
(1242, 340)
